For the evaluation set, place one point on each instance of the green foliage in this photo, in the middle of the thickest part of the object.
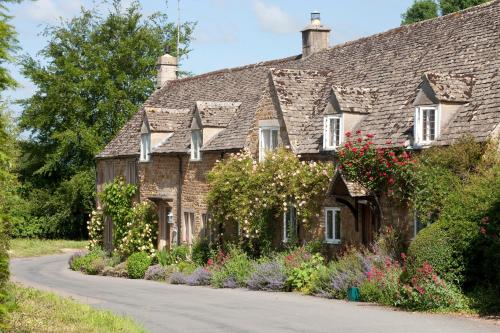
(92, 263)
(433, 246)
(234, 271)
(250, 193)
(93, 74)
(420, 10)
(451, 6)
(137, 265)
(177, 254)
(201, 252)
(299, 278)
(381, 170)
(135, 225)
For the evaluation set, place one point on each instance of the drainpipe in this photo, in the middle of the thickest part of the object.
(179, 203)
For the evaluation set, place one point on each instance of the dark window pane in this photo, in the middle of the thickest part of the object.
(337, 224)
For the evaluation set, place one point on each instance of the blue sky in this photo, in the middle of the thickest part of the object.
(229, 32)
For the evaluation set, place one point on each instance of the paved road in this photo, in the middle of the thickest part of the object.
(168, 308)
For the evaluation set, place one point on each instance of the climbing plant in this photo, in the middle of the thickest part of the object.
(248, 193)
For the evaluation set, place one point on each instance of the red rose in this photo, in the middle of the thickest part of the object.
(358, 132)
(370, 135)
(348, 134)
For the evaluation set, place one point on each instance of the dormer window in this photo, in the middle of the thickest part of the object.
(196, 142)
(145, 146)
(268, 140)
(333, 127)
(426, 124)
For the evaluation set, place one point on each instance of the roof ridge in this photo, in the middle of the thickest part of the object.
(409, 26)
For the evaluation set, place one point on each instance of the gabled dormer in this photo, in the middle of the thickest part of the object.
(346, 108)
(438, 99)
(145, 140)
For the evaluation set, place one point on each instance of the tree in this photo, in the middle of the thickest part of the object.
(426, 9)
(451, 6)
(420, 10)
(8, 44)
(97, 71)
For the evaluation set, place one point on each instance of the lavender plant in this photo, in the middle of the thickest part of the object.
(268, 276)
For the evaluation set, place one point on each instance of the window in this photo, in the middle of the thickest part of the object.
(109, 171)
(145, 146)
(196, 141)
(333, 127)
(268, 140)
(332, 225)
(188, 228)
(131, 173)
(205, 226)
(426, 124)
(290, 223)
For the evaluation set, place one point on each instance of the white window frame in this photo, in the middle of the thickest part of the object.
(327, 130)
(336, 238)
(262, 149)
(293, 218)
(196, 146)
(418, 124)
(145, 147)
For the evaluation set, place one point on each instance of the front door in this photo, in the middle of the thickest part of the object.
(367, 224)
(164, 227)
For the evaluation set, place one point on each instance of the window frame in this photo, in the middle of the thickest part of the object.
(336, 238)
(327, 130)
(290, 208)
(196, 149)
(145, 155)
(418, 130)
(271, 129)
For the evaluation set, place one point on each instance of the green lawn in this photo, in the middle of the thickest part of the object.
(23, 247)
(44, 312)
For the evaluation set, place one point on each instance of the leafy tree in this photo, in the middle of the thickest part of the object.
(451, 6)
(426, 9)
(420, 10)
(96, 72)
(8, 44)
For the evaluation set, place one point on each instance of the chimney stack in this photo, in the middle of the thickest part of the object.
(167, 69)
(315, 37)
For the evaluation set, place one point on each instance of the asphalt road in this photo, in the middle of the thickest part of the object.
(162, 307)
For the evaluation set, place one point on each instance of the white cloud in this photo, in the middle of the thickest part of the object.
(273, 19)
(49, 11)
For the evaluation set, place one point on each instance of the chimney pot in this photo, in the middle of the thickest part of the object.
(166, 67)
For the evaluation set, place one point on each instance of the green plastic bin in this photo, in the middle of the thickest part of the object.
(353, 294)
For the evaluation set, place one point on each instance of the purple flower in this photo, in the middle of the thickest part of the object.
(229, 283)
(200, 277)
(268, 276)
(178, 278)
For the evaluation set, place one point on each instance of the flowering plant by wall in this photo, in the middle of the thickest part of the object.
(248, 193)
(380, 169)
(134, 225)
(95, 227)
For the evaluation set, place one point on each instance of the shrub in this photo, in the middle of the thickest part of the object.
(299, 278)
(137, 264)
(75, 256)
(201, 252)
(433, 246)
(91, 263)
(156, 273)
(200, 277)
(426, 291)
(95, 227)
(174, 256)
(235, 270)
(335, 279)
(177, 278)
(270, 276)
(186, 267)
(386, 280)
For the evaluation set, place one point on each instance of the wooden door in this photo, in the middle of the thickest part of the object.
(367, 224)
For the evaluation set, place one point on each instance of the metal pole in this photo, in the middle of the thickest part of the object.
(178, 29)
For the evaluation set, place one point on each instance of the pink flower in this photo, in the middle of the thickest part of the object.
(389, 142)
(482, 230)
(369, 135)
(358, 132)
(348, 134)
(360, 140)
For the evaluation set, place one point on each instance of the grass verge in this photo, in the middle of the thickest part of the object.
(44, 312)
(24, 247)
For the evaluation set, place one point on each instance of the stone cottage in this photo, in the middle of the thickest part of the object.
(419, 85)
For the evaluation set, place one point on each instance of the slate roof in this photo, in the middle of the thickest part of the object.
(351, 99)
(463, 44)
(450, 88)
(216, 114)
(166, 120)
